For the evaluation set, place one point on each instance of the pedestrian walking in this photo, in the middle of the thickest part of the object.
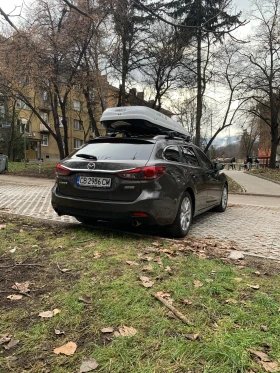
(249, 162)
(257, 162)
(232, 163)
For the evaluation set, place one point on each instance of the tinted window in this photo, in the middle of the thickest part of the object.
(189, 156)
(118, 150)
(171, 153)
(206, 163)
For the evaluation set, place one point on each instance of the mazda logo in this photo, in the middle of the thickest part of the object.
(91, 166)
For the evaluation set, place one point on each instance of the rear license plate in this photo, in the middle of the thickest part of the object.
(97, 182)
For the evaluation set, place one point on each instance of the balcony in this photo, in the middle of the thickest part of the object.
(43, 128)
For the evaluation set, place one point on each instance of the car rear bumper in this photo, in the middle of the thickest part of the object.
(160, 210)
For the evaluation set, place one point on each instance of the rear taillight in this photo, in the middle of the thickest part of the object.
(62, 171)
(143, 173)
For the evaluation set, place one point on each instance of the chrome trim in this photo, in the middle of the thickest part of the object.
(96, 170)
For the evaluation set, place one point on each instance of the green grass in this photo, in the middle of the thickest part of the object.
(225, 312)
(267, 173)
(46, 170)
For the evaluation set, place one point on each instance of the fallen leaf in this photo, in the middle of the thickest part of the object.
(159, 262)
(125, 331)
(186, 301)
(270, 366)
(162, 294)
(58, 332)
(257, 273)
(67, 349)
(167, 269)
(14, 297)
(192, 337)
(231, 300)
(48, 314)
(96, 255)
(197, 283)
(13, 250)
(84, 299)
(12, 343)
(146, 281)
(88, 364)
(255, 287)
(264, 328)
(22, 287)
(261, 355)
(148, 268)
(107, 330)
(131, 263)
(2, 226)
(5, 338)
(238, 279)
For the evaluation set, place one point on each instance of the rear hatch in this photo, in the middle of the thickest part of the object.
(104, 169)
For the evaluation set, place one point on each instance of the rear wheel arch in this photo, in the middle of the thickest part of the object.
(191, 193)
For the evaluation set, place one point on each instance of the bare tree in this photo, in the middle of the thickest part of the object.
(263, 82)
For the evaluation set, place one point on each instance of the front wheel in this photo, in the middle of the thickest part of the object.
(183, 220)
(224, 199)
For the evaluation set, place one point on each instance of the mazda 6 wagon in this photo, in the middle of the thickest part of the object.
(160, 180)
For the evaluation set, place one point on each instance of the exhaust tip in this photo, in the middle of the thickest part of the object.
(136, 223)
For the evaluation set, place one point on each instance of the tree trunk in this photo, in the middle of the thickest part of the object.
(199, 103)
(274, 144)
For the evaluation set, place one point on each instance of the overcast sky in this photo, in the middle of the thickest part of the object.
(9, 5)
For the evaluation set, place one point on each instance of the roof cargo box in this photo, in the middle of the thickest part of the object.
(140, 120)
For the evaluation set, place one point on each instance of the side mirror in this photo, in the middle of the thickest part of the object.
(218, 166)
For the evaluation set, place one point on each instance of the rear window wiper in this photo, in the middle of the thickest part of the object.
(87, 156)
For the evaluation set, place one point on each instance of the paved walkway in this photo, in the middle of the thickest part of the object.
(250, 224)
(253, 184)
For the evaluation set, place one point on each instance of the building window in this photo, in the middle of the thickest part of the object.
(78, 125)
(78, 143)
(60, 121)
(44, 95)
(77, 105)
(22, 105)
(2, 111)
(45, 117)
(24, 126)
(45, 140)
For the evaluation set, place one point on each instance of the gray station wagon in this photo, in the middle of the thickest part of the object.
(132, 177)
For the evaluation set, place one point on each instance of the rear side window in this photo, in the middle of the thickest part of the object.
(189, 156)
(171, 153)
(118, 150)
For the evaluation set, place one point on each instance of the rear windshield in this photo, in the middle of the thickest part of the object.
(117, 150)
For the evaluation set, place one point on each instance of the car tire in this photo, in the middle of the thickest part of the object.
(87, 221)
(224, 199)
(183, 220)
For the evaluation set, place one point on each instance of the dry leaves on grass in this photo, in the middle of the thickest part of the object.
(84, 299)
(12, 343)
(88, 365)
(14, 297)
(125, 331)
(22, 287)
(265, 361)
(146, 282)
(5, 338)
(107, 330)
(131, 263)
(49, 314)
(2, 226)
(67, 349)
(191, 337)
(197, 283)
(255, 287)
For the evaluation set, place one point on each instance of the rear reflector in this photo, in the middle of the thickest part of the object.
(140, 214)
(143, 173)
(62, 171)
